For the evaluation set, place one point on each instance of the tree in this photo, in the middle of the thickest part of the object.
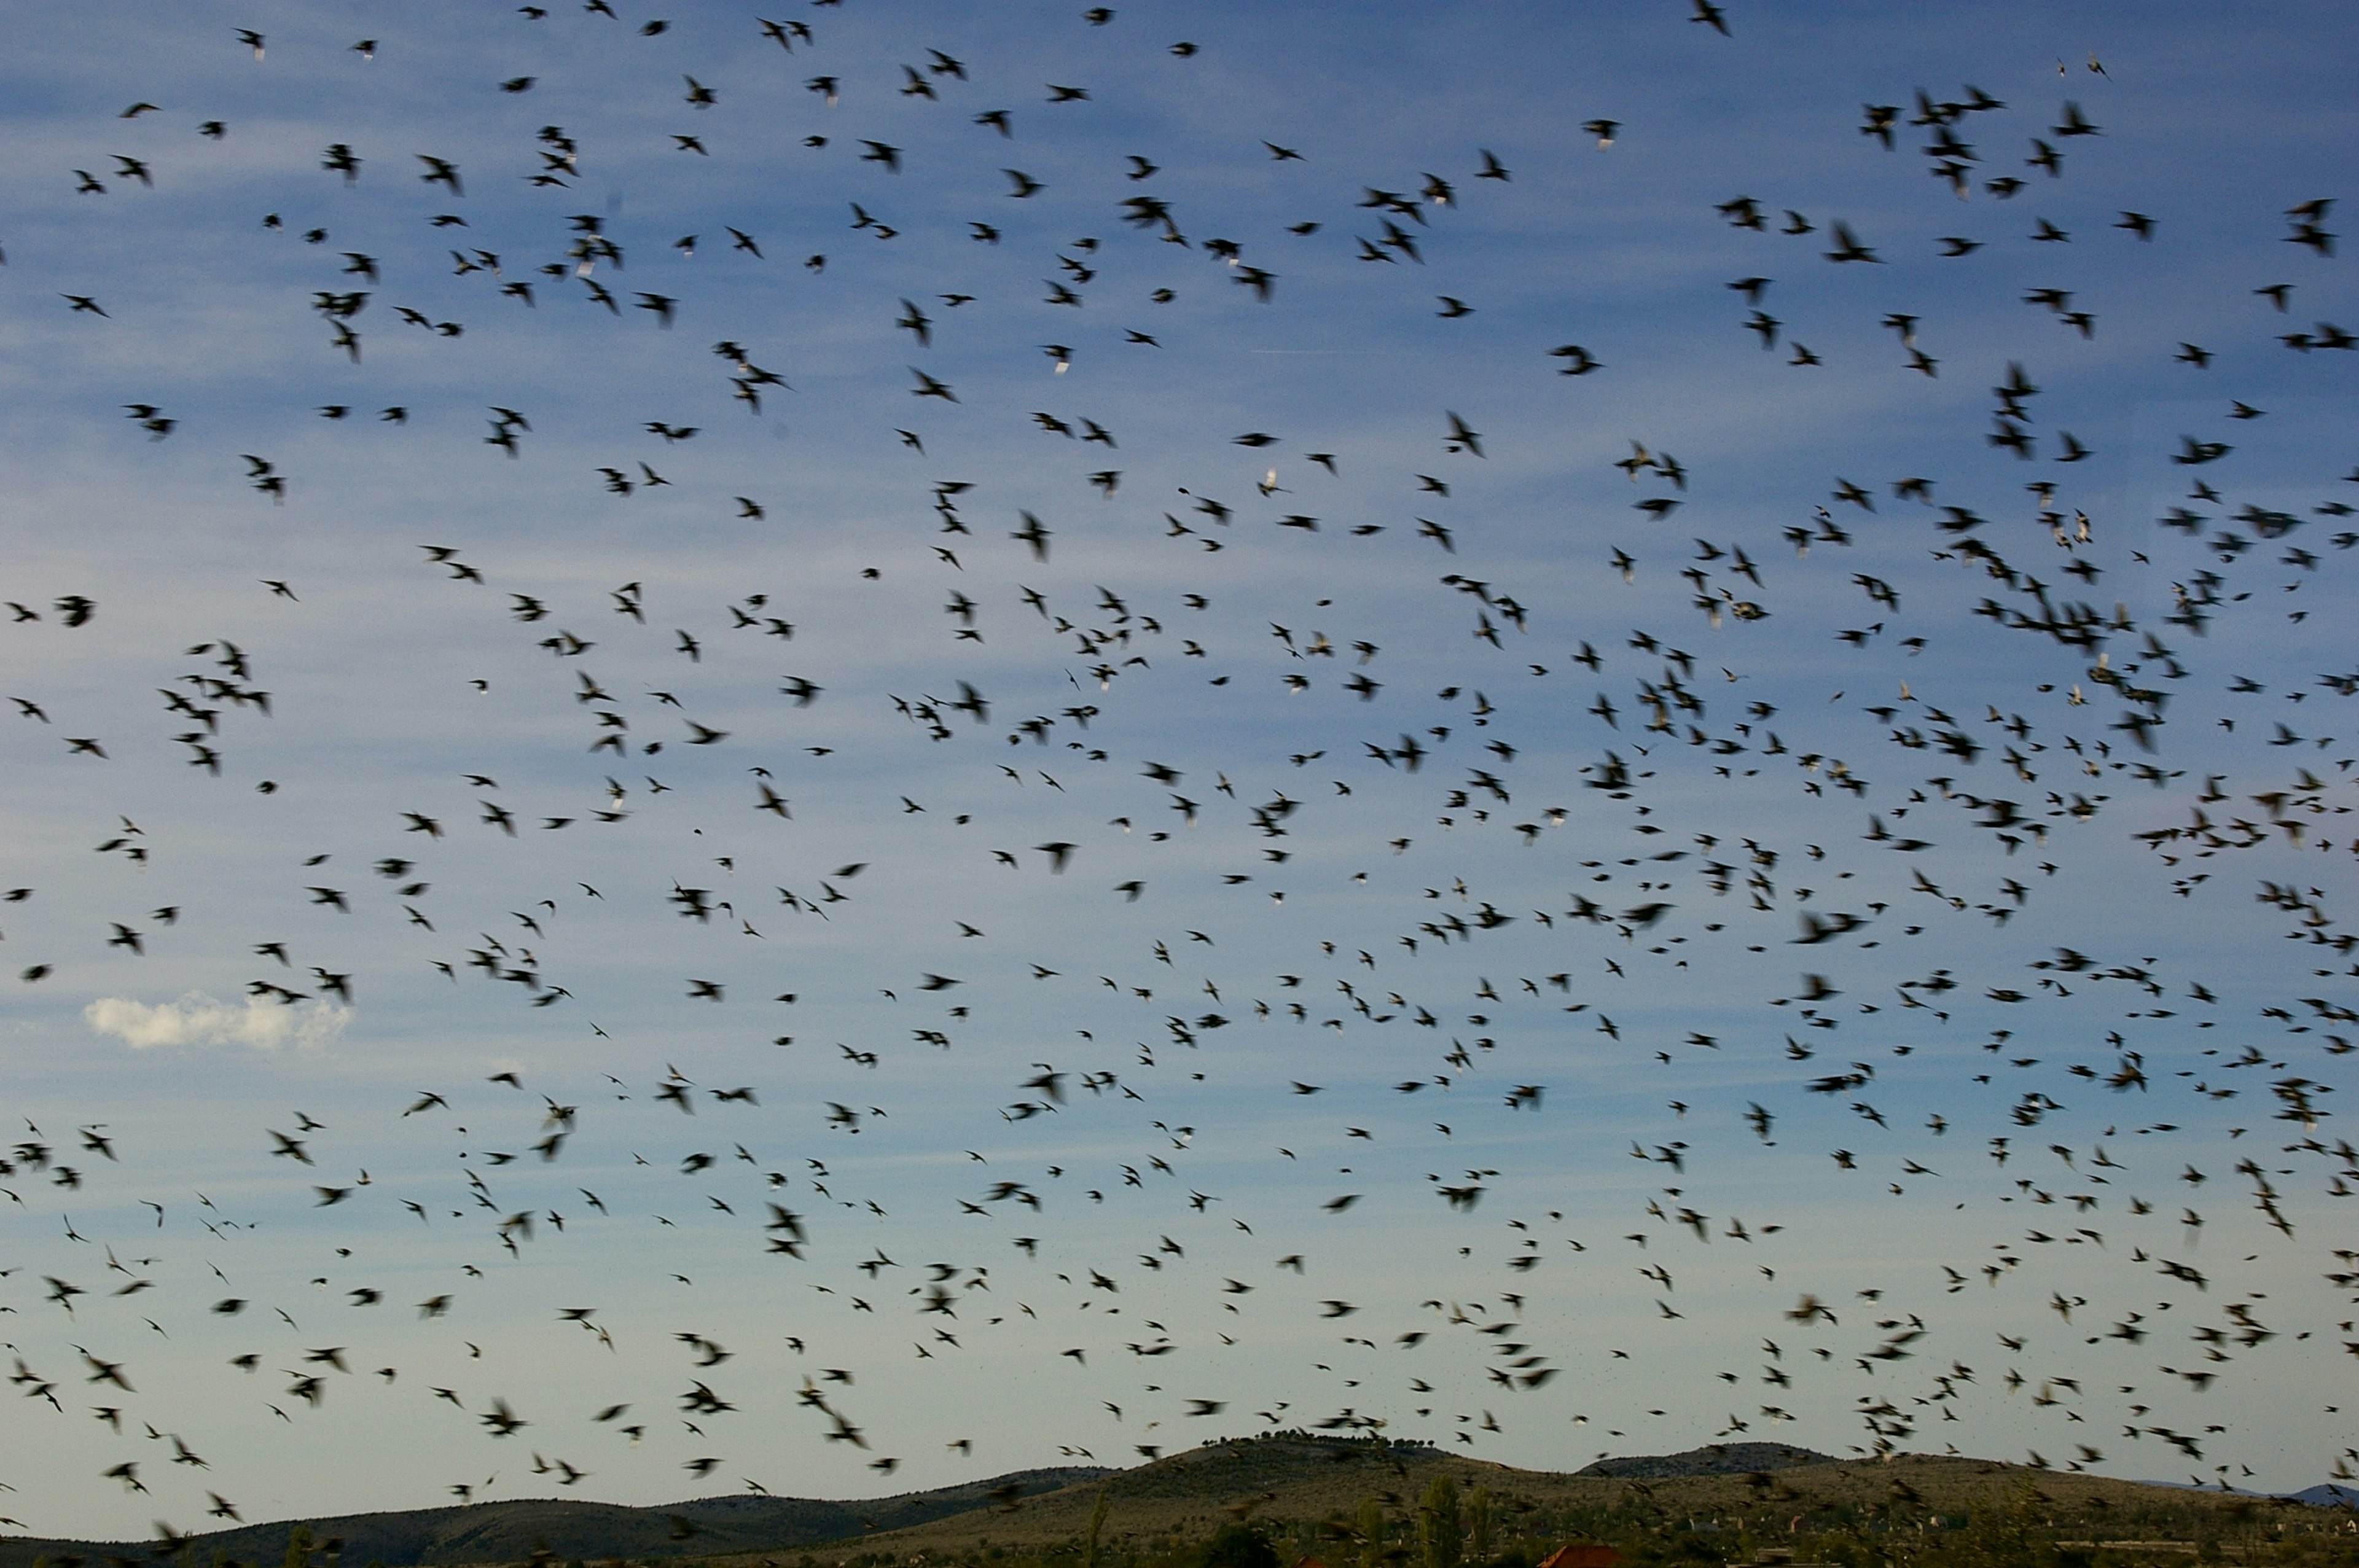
(1438, 1523)
(1371, 1528)
(298, 1547)
(1478, 1524)
(1238, 1545)
(1097, 1524)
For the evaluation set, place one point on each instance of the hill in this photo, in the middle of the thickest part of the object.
(514, 1531)
(1349, 1501)
(1308, 1496)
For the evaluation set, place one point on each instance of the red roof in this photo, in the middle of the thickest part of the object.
(1582, 1554)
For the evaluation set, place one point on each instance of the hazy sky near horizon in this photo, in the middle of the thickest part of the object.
(1272, 855)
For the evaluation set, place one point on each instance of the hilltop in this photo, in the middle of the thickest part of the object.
(1715, 1459)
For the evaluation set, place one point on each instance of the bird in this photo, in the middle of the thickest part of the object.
(1848, 248)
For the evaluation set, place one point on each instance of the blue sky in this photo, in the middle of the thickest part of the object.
(1973, 1160)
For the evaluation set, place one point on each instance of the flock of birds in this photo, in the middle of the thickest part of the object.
(1106, 750)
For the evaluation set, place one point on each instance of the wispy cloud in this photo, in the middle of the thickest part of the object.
(198, 1019)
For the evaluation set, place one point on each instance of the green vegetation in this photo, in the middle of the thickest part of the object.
(1097, 1527)
(1238, 1545)
(1438, 1528)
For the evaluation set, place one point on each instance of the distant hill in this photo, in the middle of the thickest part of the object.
(1713, 1459)
(2328, 1495)
(514, 1531)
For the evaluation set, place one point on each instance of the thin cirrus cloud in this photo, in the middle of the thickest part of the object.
(197, 1019)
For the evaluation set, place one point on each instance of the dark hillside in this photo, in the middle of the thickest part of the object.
(514, 1531)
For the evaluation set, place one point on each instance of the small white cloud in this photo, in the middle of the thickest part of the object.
(198, 1019)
